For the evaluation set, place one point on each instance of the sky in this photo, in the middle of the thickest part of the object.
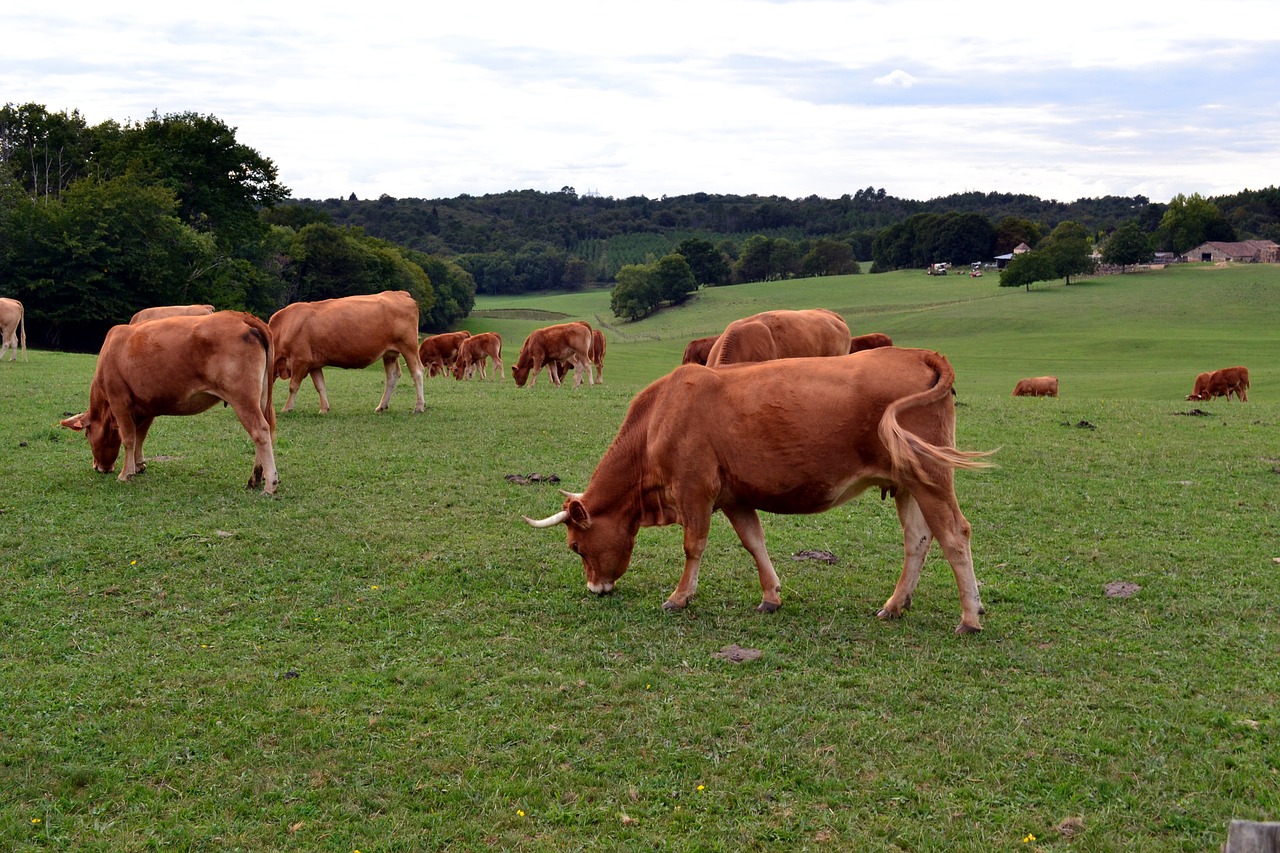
(790, 98)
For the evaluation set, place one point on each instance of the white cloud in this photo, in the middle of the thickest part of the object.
(745, 96)
(897, 77)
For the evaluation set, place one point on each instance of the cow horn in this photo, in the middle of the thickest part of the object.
(549, 521)
(577, 496)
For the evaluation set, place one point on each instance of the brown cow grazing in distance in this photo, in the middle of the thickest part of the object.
(161, 311)
(569, 342)
(439, 352)
(870, 341)
(786, 436)
(350, 332)
(13, 328)
(1038, 386)
(697, 350)
(1222, 383)
(781, 334)
(180, 366)
(475, 352)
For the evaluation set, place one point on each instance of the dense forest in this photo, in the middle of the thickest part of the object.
(524, 239)
(99, 221)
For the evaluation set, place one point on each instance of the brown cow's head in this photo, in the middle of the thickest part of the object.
(103, 436)
(603, 543)
(520, 373)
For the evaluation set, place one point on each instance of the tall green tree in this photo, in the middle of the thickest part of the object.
(635, 296)
(1070, 249)
(1129, 244)
(708, 263)
(1191, 220)
(673, 280)
(829, 257)
(220, 183)
(1028, 268)
(41, 151)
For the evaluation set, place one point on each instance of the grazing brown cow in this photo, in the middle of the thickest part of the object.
(475, 352)
(159, 312)
(1222, 383)
(13, 328)
(180, 366)
(569, 342)
(1038, 386)
(781, 334)
(786, 436)
(870, 341)
(697, 350)
(439, 352)
(350, 332)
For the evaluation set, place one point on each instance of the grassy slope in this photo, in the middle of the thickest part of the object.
(385, 658)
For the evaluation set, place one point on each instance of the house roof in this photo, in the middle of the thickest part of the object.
(1242, 249)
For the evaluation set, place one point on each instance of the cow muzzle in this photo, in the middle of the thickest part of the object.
(600, 587)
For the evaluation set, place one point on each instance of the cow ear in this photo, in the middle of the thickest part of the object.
(79, 422)
(578, 513)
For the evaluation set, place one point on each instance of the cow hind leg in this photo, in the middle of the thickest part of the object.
(264, 460)
(916, 539)
(943, 517)
(746, 522)
(317, 379)
(391, 364)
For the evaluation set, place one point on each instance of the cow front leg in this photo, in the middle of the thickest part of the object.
(916, 539)
(414, 364)
(391, 364)
(695, 543)
(131, 435)
(746, 522)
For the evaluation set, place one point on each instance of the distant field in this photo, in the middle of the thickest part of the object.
(386, 658)
(1145, 335)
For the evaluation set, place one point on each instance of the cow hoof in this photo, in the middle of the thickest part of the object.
(964, 628)
(672, 604)
(886, 615)
(768, 606)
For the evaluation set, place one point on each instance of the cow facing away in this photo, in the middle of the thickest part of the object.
(1222, 383)
(159, 312)
(180, 366)
(439, 352)
(787, 436)
(569, 342)
(869, 341)
(13, 328)
(781, 334)
(474, 354)
(1037, 386)
(350, 332)
(697, 350)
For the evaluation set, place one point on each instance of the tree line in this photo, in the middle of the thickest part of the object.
(528, 240)
(97, 222)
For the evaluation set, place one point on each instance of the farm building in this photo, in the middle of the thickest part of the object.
(1246, 252)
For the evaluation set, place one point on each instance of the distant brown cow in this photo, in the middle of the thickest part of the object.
(873, 340)
(475, 352)
(180, 366)
(161, 311)
(439, 352)
(1222, 383)
(1038, 386)
(697, 350)
(13, 328)
(781, 334)
(350, 332)
(569, 342)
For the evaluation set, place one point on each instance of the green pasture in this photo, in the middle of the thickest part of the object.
(386, 658)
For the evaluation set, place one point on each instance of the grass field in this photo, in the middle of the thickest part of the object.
(385, 657)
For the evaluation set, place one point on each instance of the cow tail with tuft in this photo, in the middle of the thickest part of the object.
(908, 450)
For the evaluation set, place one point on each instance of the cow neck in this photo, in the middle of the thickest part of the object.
(620, 484)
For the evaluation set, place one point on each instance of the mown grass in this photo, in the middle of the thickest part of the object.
(386, 658)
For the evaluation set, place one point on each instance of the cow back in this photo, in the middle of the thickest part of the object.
(770, 335)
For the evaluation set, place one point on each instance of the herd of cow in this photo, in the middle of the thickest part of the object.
(783, 412)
